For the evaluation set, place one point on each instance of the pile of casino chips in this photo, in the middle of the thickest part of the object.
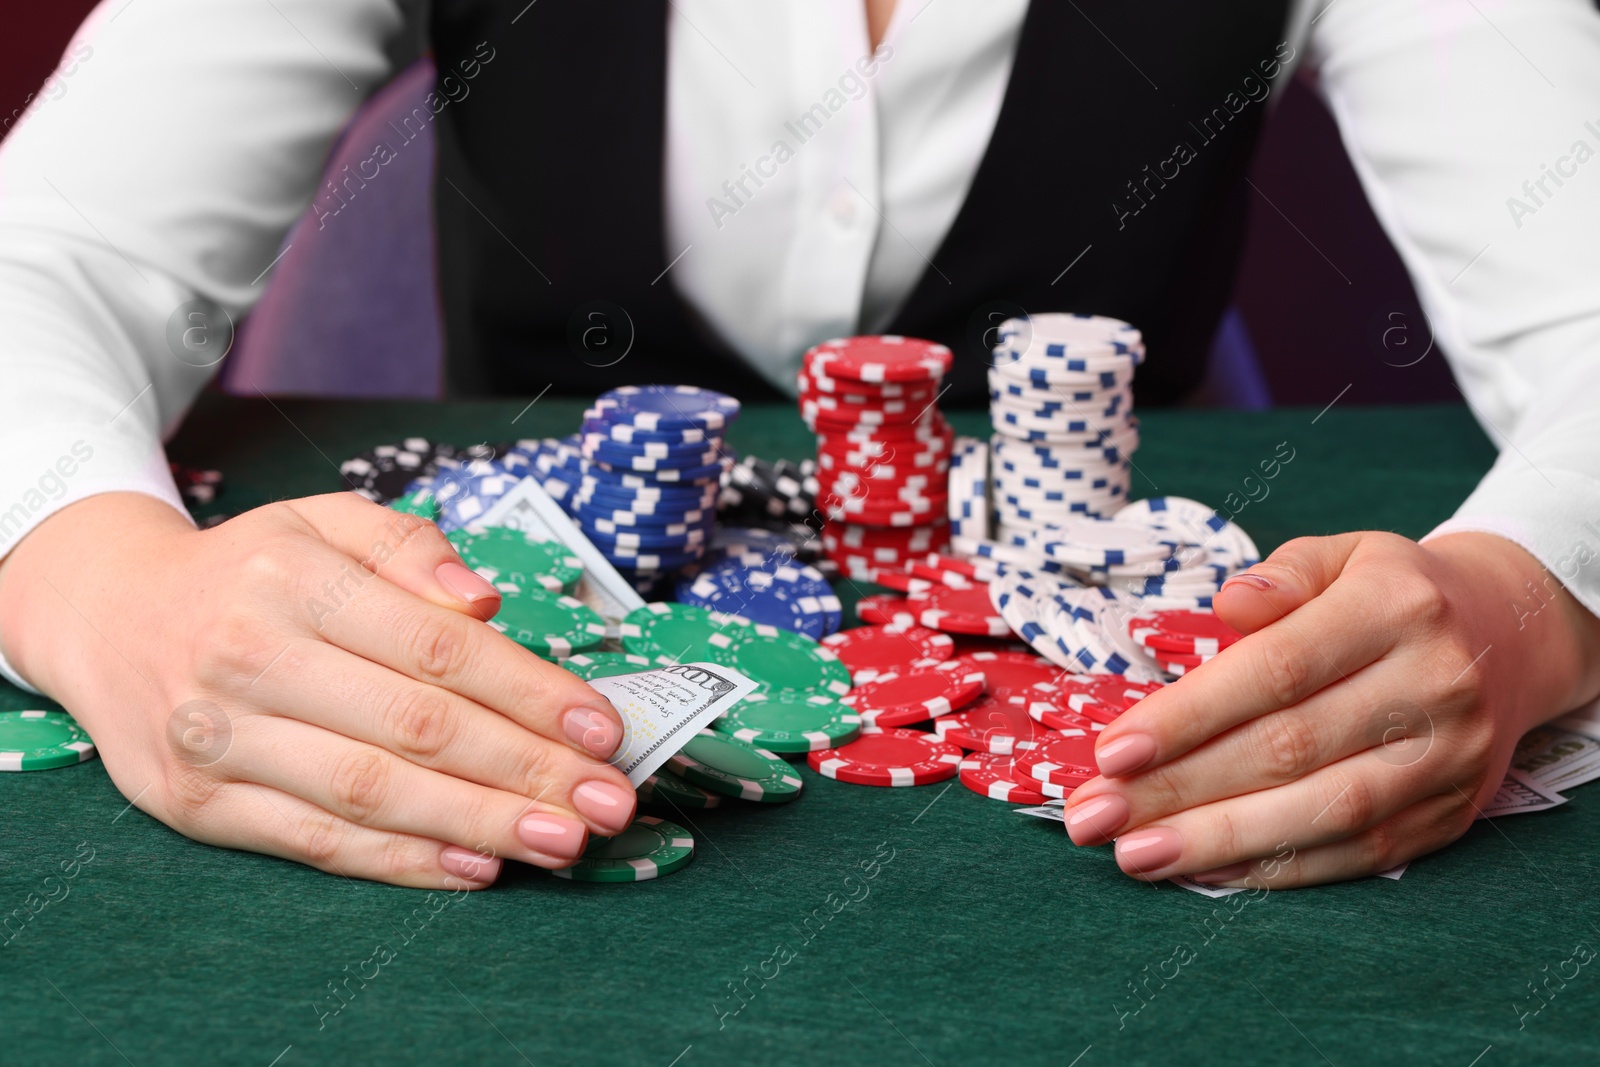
(1061, 402)
(883, 448)
(768, 586)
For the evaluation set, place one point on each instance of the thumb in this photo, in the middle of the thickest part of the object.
(1289, 578)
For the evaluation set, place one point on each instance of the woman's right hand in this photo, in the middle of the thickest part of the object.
(313, 679)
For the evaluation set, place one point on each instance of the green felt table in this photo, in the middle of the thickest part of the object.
(857, 925)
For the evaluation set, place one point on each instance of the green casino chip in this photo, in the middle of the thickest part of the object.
(592, 665)
(549, 624)
(675, 633)
(781, 660)
(510, 559)
(668, 790)
(790, 722)
(735, 768)
(420, 503)
(41, 741)
(647, 849)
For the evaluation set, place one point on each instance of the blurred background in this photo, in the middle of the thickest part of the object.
(1321, 303)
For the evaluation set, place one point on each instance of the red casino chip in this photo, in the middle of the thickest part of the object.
(1012, 673)
(993, 726)
(1062, 759)
(885, 610)
(914, 694)
(870, 650)
(889, 758)
(1192, 633)
(964, 611)
(884, 358)
(998, 778)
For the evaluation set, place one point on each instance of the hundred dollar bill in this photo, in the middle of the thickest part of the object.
(527, 507)
(1520, 794)
(1557, 758)
(664, 707)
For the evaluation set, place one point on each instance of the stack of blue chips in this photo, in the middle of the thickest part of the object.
(766, 587)
(465, 489)
(641, 479)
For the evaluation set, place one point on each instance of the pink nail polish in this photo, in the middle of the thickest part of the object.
(1254, 581)
(464, 583)
(607, 805)
(1231, 873)
(594, 731)
(1149, 850)
(469, 865)
(1098, 820)
(1125, 755)
(552, 835)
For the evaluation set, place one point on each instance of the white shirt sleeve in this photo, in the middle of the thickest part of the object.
(164, 169)
(1475, 130)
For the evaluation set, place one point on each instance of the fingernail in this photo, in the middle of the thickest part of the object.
(465, 583)
(470, 865)
(1231, 873)
(1098, 820)
(1149, 850)
(1254, 581)
(607, 805)
(1125, 755)
(552, 835)
(597, 732)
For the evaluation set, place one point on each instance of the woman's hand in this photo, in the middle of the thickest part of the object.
(314, 680)
(1364, 720)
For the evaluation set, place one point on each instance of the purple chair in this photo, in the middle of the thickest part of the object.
(352, 307)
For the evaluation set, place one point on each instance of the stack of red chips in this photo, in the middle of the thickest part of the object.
(883, 449)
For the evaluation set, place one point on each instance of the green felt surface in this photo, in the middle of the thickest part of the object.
(984, 937)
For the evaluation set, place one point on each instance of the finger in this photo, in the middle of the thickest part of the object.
(373, 788)
(1328, 640)
(405, 550)
(443, 648)
(1286, 580)
(1330, 725)
(257, 818)
(325, 686)
(1329, 805)
(1424, 827)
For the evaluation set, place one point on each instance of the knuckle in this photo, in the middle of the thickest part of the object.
(540, 771)
(1282, 673)
(1163, 789)
(438, 647)
(322, 837)
(418, 722)
(1289, 746)
(1380, 847)
(235, 644)
(1226, 837)
(1350, 809)
(359, 784)
(1418, 597)
(189, 793)
(273, 564)
(400, 859)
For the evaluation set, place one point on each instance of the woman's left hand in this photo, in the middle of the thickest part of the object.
(1365, 719)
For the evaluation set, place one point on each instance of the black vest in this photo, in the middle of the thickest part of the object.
(1128, 135)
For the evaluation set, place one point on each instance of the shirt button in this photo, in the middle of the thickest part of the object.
(842, 205)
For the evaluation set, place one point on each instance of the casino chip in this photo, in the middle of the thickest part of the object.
(997, 777)
(549, 625)
(665, 789)
(881, 610)
(888, 757)
(915, 694)
(1197, 633)
(1063, 759)
(1009, 674)
(381, 474)
(790, 722)
(674, 633)
(512, 560)
(41, 741)
(781, 660)
(666, 407)
(964, 610)
(592, 665)
(868, 651)
(724, 764)
(648, 848)
(775, 590)
(992, 725)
